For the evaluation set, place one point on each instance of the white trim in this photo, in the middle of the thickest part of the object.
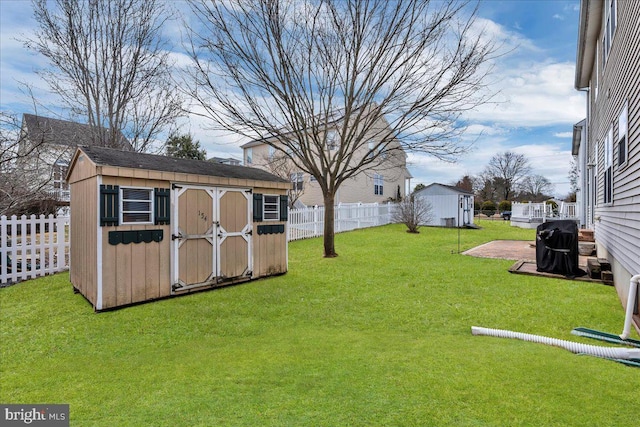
(623, 113)
(99, 247)
(151, 202)
(264, 205)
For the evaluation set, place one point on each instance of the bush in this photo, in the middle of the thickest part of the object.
(504, 205)
(413, 212)
(488, 208)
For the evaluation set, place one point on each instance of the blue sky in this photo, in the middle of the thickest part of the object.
(534, 113)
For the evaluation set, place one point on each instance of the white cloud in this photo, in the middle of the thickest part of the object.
(534, 94)
(558, 17)
(563, 134)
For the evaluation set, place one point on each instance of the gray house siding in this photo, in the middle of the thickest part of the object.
(617, 225)
(613, 84)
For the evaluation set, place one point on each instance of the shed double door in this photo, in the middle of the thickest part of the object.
(211, 236)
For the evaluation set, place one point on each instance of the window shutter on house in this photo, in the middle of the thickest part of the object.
(257, 207)
(109, 205)
(284, 208)
(162, 206)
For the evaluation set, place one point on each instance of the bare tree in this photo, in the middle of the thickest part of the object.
(536, 187)
(339, 86)
(413, 212)
(22, 183)
(507, 169)
(108, 64)
(281, 165)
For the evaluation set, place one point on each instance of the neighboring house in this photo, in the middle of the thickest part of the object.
(387, 180)
(47, 146)
(607, 142)
(450, 206)
(226, 161)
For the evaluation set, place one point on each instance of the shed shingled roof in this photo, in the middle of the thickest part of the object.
(61, 132)
(102, 156)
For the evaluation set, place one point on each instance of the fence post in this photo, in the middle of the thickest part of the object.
(3, 249)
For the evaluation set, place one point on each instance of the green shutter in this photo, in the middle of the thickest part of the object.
(162, 206)
(284, 208)
(257, 207)
(109, 205)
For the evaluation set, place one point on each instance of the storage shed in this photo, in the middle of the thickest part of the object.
(451, 206)
(145, 227)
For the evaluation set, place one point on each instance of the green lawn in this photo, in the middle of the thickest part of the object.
(378, 336)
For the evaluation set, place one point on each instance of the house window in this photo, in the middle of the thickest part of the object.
(271, 208)
(608, 169)
(297, 178)
(378, 184)
(248, 156)
(595, 92)
(136, 205)
(609, 28)
(272, 152)
(60, 169)
(370, 146)
(332, 140)
(622, 136)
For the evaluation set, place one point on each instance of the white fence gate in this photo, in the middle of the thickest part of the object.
(33, 246)
(309, 222)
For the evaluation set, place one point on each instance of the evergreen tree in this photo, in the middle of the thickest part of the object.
(185, 147)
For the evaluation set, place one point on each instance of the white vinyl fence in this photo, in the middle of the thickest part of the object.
(33, 246)
(309, 222)
(36, 246)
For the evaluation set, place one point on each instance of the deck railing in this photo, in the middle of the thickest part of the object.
(543, 211)
(33, 246)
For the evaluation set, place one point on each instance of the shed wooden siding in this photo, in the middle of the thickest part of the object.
(84, 242)
(118, 275)
(135, 272)
(269, 250)
(617, 225)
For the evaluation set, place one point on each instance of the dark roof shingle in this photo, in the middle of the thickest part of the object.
(102, 156)
(62, 132)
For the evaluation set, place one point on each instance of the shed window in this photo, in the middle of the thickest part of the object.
(271, 208)
(137, 205)
(622, 136)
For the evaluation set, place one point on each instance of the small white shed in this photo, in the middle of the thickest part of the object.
(451, 206)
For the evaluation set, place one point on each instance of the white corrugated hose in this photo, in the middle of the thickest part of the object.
(574, 347)
(631, 302)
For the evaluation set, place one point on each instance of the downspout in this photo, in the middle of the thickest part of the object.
(631, 302)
